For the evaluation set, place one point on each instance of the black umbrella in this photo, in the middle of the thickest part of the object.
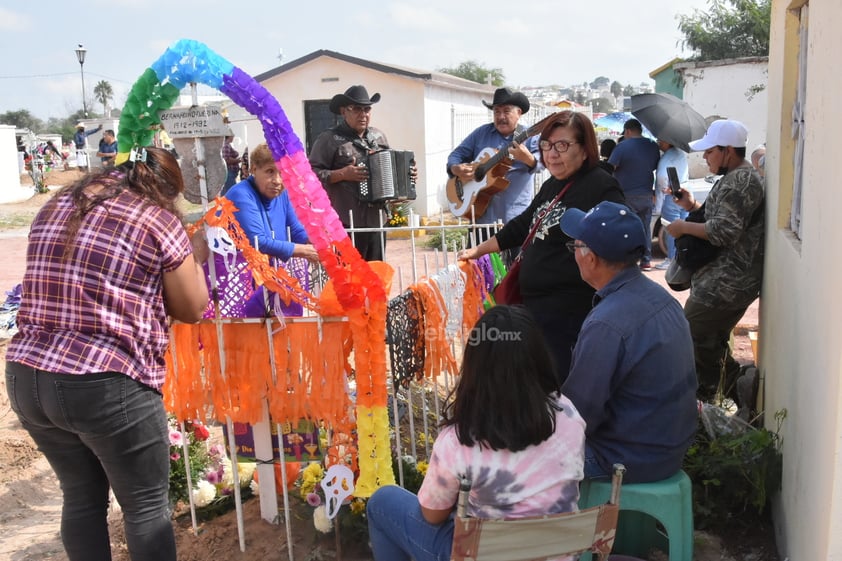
(669, 118)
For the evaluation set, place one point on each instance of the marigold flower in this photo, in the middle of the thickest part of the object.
(320, 520)
(358, 505)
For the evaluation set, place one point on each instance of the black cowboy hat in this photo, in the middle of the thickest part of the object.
(355, 95)
(505, 96)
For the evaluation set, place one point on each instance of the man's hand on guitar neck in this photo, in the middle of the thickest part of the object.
(521, 153)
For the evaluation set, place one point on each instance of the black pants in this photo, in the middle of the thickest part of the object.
(371, 245)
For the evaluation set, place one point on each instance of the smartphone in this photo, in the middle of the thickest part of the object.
(675, 184)
(665, 222)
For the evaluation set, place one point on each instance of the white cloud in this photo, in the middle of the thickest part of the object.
(14, 21)
(421, 18)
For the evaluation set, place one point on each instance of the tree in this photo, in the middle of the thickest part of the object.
(22, 119)
(616, 88)
(477, 72)
(601, 105)
(722, 32)
(103, 93)
(600, 82)
(628, 90)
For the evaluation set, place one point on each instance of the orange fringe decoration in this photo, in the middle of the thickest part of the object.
(472, 307)
(439, 357)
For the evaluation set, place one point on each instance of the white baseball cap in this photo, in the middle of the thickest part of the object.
(724, 132)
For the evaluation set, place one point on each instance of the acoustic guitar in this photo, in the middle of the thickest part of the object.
(489, 176)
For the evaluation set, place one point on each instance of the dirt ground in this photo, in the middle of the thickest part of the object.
(31, 499)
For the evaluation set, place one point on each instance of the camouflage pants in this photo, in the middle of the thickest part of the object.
(711, 331)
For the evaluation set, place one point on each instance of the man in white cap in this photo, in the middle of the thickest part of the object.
(631, 377)
(722, 289)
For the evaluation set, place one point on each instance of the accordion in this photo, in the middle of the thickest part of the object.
(388, 177)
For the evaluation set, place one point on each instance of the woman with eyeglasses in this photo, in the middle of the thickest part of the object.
(550, 284)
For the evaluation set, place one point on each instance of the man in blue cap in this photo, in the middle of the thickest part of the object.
(632, 376)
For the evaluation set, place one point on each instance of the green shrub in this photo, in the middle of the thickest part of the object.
(453, 239)
(734, 472)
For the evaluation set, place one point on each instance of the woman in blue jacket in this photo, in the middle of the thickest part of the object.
(265, 213)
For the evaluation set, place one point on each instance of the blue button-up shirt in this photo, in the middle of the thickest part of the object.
(633, 378)
(509, 203)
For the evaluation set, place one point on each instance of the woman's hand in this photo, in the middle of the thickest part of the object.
(466, 254)
(307, 251)
(488, 246)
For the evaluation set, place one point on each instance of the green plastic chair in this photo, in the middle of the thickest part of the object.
(645, 506)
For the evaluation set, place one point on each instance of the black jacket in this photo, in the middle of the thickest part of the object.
(549, 276)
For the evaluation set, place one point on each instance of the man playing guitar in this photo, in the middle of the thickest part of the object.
(509, 182)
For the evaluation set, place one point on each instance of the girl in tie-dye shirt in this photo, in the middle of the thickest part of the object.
(507, 428)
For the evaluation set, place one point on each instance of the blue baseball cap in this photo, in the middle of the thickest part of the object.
(611, 230)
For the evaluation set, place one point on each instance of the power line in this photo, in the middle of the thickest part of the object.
(59, 74)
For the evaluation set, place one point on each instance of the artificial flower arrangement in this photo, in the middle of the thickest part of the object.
(211, 470)
(398, 214)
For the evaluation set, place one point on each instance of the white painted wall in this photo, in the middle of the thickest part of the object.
(10, 188)
(414, 113)
(801, 328)
(733, 89)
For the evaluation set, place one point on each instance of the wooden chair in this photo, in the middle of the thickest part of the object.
(539, 537)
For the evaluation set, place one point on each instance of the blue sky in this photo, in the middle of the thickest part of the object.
(535, 43)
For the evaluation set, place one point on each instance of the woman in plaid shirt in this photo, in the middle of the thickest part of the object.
(108, 260)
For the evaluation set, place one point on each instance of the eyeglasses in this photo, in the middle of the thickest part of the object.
(560, 146)
(359, 108)
(573, 246)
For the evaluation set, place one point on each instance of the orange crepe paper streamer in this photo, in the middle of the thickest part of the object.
(472, 307)
(311, 372)
(185, 393)
(276, 279)
(439, 358)
(343, 451)
(247, 369)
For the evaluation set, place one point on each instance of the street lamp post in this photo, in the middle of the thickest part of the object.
(80, 54)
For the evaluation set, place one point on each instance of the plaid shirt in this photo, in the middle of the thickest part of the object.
(101, 309)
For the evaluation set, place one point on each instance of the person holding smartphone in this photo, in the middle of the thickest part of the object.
(676, 158)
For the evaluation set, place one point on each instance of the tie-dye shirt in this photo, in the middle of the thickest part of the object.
(541, 479)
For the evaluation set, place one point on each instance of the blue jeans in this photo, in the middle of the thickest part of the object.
(671, 211)
(398, 531)
(98, 430)
(592, 468)
(641, 205)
